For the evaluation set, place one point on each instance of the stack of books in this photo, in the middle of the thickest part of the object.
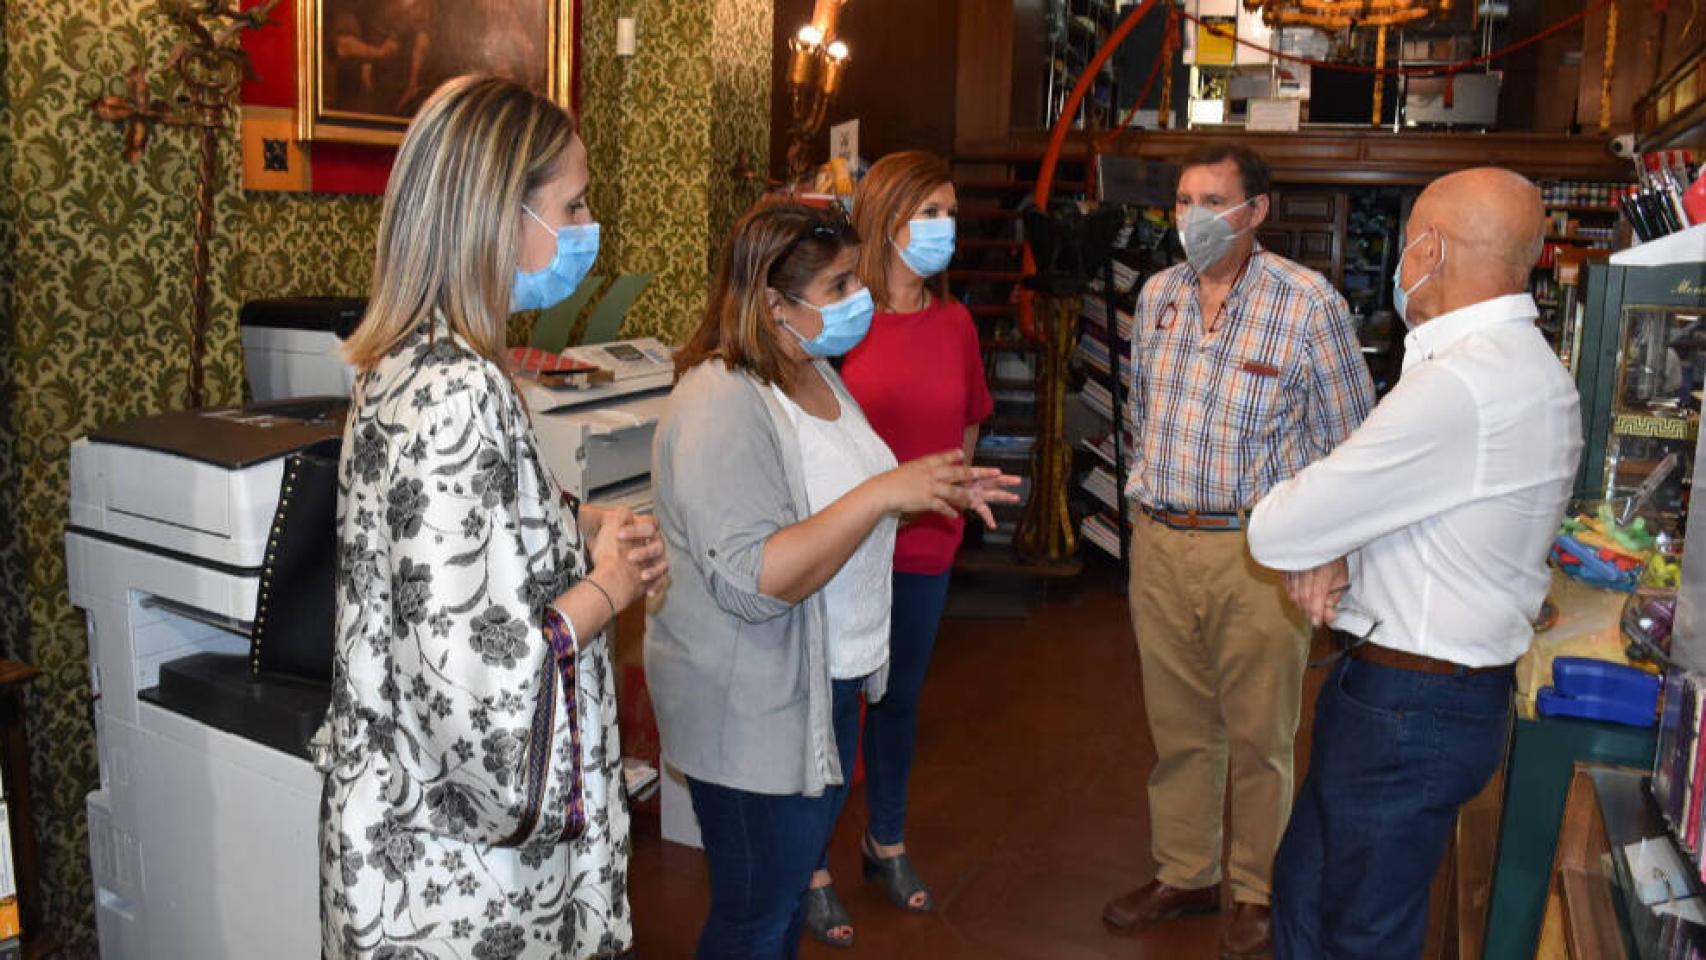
(1099, 399)
(1101, 485)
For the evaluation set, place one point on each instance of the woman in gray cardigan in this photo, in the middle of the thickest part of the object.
(779, 505)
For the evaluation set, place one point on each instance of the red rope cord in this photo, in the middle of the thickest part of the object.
(1057, 139)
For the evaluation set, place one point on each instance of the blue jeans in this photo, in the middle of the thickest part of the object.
(891, 724)
(1395, 753)
(761, 848)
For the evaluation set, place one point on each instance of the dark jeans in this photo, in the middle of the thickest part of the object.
(761, 848)
(891, 724)
(1395, 753)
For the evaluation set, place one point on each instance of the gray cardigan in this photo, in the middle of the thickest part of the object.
(739, 680)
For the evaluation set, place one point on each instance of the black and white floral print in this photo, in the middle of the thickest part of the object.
(446, 749)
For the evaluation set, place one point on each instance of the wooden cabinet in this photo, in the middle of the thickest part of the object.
(1308, 225)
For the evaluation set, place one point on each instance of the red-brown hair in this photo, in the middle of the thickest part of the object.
(892, 190)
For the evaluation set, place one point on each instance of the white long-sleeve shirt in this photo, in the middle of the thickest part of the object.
(1447, 498)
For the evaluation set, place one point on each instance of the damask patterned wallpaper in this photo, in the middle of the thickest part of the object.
(11, 546)
(670, 120)
(740, 77)
(95, 306)
(94, 281)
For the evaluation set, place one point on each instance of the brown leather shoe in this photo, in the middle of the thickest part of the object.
(1248, 935)
(1156, 901)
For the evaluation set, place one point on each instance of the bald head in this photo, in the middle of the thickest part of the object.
(1472, 235)
(1494, 223)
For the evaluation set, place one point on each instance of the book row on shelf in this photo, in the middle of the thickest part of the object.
(1103, 480)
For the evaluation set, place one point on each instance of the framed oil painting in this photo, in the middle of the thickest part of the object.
(364, 67)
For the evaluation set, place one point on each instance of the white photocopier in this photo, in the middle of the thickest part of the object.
(203, 833)
(202, 837)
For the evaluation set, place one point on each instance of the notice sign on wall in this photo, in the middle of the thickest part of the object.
(844, 141)
(1272, 113)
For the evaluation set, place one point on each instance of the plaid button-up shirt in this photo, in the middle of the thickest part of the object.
(1222, 417)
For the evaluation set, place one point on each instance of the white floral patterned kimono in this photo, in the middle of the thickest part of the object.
(446, 746)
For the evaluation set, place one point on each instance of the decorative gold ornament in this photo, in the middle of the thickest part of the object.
(1045, 531)
(1609, 69)
(816, 62)
(1346, 14)
(210, 66)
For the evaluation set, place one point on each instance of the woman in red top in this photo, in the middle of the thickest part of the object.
(918, 375)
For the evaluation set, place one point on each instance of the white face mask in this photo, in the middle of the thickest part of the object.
(1401, 296)
(1208, 236)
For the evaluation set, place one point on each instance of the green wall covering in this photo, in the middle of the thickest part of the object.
(95, 291)
(740, 77)
(670, 120)
(11, 547)
(94, 286)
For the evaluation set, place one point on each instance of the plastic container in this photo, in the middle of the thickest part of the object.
(1550, 703)
(1583, 677)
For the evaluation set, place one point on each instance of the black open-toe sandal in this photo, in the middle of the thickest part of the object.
(898, 878)
(825, 912)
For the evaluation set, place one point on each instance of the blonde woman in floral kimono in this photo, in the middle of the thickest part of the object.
(471, 665)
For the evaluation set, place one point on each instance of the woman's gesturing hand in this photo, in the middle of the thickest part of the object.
(942, 483)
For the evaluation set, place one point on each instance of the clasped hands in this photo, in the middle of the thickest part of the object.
(1316, 592)
(628, 554)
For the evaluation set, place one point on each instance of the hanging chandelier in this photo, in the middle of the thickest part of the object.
(1346, 14)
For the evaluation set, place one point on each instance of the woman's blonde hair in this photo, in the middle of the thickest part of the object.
(779, 245)
(447, 236)
(892, 189)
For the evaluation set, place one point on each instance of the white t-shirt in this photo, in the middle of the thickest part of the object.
(839, 455)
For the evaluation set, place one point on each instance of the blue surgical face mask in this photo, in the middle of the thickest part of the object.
(930, 246)
(1401, 296)
(845, 323)
(577, 248)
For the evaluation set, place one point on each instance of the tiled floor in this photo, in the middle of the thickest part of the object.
(1028, 808)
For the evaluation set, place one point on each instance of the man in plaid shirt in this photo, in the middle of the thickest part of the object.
(1246, 368)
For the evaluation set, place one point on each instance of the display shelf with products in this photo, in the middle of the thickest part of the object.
(1582, 217)
(1639, 370)
(1104, 526)
(1102, 357)
(1372, 244)
(1077, 29)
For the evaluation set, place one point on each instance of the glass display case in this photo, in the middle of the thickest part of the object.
(1640, 370)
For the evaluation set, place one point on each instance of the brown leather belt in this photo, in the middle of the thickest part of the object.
(1192, 520)
(1388, 657)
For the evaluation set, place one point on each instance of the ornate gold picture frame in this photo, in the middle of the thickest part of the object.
(363, 67)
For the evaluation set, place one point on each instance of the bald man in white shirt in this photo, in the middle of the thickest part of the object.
(1424, 538)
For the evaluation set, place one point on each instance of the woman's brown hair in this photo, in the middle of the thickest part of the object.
(893, 188)
(447, 235)
(778, 245)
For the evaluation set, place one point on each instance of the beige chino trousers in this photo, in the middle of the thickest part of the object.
(1223, 653)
